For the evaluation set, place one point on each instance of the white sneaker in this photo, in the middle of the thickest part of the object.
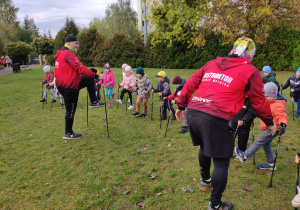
(131, 107)
(128, 101)
(119, 101)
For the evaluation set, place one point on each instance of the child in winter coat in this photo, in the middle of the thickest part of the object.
(128, 83)
(49, 77)
(164, 91)
(243, 120)
(269, 76)
(143, 91)
(264, 140)
(109, 83)
(294, 83)
(178, 82)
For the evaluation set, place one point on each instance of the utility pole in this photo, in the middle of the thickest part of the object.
(145, 23)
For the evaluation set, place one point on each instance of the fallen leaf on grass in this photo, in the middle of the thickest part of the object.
(139, 204)
(182, 169)
(169, 145)
(195, 179)
(172, 139)
(247, 187)
(46, 184)
(152, 177)
(30, 134)
(65, 142)
(146, 145)
(159, 193)
(189, 189)
(25, 183)
(126, 192)
(141, 165)
(171, 191)
(139, 152)
(183, 189)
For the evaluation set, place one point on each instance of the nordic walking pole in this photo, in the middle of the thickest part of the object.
(293, 107)
(270, 185)
(253, 141)
(79, 105)
(168, 119)
(160, 107)
(281, 89)
(152, 108)
(87, 107)
(43, 95)
(235, 132)
(51, 105)
(126, 102)
(298, 165)
(106, 113)
(118, 96)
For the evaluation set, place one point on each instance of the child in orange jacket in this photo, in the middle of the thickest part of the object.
(278, 110)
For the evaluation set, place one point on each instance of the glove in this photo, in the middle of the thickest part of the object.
(282, 127)
(108, 84)
(93, 70)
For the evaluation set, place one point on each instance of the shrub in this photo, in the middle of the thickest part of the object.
(18, 51)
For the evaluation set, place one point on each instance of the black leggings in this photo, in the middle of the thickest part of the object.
(218, 178)
(129, 93)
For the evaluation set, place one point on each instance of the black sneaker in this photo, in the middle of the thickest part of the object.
(43, 100)
(173, 117)
(183, 130)
(136, 114)
(163, 117)
(53, 101)
(297, 116)
(96, 104)
(71, 136)
(142, 115)
(226, 205)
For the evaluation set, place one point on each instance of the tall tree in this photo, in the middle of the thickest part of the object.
(119, 18)
(28, 30)
(8, 23)
(190, 21)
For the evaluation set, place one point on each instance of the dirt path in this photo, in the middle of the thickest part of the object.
(9, 70)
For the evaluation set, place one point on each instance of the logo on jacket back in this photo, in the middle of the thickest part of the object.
(56, 65)
(221, 79)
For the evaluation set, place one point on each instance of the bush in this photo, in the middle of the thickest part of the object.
(50, 59)
(18, 51)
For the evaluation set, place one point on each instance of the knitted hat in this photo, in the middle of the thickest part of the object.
(267, 69)
(124, 66)
(46, 68)
(107, 66)
(298, 70)
(244, 48)
(128, 68)
(71, 38)
(176, 80)
(140, 71)
(271, 89)
(161, 74)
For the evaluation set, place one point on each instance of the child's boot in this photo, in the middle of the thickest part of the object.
(183, 130)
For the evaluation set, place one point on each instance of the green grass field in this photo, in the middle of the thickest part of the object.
(136, 167)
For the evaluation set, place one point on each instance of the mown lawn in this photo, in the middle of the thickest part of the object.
(136, 167)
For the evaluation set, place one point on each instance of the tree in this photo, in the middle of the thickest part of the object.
(43, 45)
(28, 30)
(86, 39)
(8, 16)
(119, 18)
(18, 51)
(191, 21)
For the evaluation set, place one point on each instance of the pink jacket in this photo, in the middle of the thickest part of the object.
(108, 78)
(128, 82)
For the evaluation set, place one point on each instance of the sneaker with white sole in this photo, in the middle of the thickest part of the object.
(119, 101)
(226, 205)
(205, 185)
(131, 107)
(71, 136)
(240, 154)
(128, 101)
(266, 166)
(136, 114)
(95, 104)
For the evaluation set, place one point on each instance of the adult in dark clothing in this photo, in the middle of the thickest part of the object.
(244, 118)
(71, 76)
(221, 85)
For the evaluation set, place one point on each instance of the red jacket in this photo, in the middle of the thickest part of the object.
(49, 77)
(221, 86)
(278, 110)
(68, 69)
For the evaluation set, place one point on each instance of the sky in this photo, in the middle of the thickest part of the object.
(52, 14)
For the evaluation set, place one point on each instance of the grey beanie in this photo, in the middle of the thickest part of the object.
(271, 89)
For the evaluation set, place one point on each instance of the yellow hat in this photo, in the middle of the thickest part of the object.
(161, 74)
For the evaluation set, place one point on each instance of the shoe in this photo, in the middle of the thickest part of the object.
(296, 200)
(226, 205)
(173, 117)
(297, 116)
(53, 101)
(142, 115)
(71, 136)
(113, 95)
(43, 100)
(236, 158)
(136, 114)
(110, 104)
(204, 186)
(101, 104)
(119, 101)
(266, 166)
(131, 107)
(183, 130)
(163, 117)
(240, 154)
(128, 101)
(95, 104)
(61, 105)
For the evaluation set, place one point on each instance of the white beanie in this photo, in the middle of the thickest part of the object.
(128, 68)
(271, 89)
(46, 68)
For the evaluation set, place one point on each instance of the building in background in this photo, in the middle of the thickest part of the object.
(142, 11)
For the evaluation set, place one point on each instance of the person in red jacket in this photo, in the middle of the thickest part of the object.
(221, 86)
(49, 77)
(71, 76)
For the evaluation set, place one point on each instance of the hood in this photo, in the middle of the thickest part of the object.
(225, 63)
(50, 72)
(59, 51)
(272, 74)
(183, 82)
(166, 80)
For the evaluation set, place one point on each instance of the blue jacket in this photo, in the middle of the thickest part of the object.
(293, 82)
(163, 87)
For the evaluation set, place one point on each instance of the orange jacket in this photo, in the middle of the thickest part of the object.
(278, 110)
